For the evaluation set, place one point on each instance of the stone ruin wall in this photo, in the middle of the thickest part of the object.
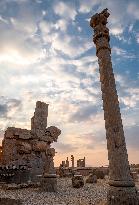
(31, 148)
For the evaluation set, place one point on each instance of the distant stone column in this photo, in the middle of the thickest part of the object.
(72, 161)
(63, 164)
(122, 188)
(84, 162)
(67, 162)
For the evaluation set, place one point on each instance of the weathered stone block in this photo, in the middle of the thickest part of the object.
(40, 146)
(49, 183)
(31, 147)
(91, 179)
(99, 173)
(25, 134)
(77, 181)
(23, 147)
(54, 132)
(122, 196)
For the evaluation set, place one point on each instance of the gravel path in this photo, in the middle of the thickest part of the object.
(90, 194)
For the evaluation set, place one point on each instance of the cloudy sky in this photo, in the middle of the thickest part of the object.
(47, 54)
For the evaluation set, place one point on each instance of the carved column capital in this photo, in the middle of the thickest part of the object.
(101, 32)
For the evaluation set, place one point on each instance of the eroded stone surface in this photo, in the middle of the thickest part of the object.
(49, 183)
(91, 179)
(119, 169)
(77, 181)
(31, 147)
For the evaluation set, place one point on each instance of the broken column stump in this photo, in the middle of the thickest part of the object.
(49, 183)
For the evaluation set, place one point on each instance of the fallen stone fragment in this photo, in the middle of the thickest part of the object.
(77, 181)
(91, 179)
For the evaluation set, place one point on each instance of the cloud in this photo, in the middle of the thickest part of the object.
(65, 10)
(19, 42)
(8, 107)
(127, 90)
(86, 6)
(61, 24)
(133, 10)
(132, 136)
(121, 52)
(84, 113)
(137, 37)
(95, 140)
(63, 43)
(64, 148)
(3, 111)
(71, 46)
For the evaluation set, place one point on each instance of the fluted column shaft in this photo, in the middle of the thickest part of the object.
(117, 153)
(119, 170)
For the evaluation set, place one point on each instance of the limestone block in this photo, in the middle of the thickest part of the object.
(23, 147)
(25, 134)
(91, 179)
(40, 146)
(41, 135)
(54, 132)
(77, 181)
(122, 195)
(99, 173)
(45, 137)
(9, 148)
(39, 120)
(9, 133)
(49, 183)
(16, 133)
(51, 152)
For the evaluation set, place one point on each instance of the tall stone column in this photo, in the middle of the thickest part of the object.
(122, 188)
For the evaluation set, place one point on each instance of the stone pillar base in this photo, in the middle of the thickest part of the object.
(49, 183)
(116, 183)
(122, 196)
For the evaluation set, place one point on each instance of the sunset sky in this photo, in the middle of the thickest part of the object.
(47, 54)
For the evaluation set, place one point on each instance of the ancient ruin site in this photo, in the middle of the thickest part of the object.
(69, 104)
